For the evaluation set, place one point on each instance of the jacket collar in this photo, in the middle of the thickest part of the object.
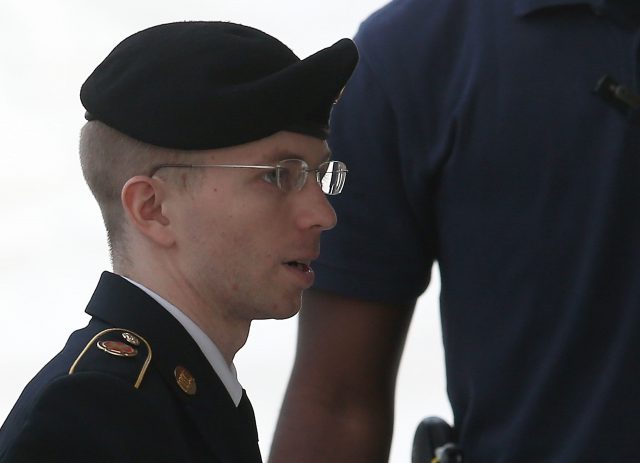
(226, 429)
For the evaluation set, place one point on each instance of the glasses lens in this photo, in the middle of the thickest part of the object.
(292, 174)
(331, 176)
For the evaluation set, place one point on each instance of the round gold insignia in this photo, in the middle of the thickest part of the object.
(117, 348)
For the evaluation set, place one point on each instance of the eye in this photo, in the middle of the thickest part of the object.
(322, 170)
(271, 176)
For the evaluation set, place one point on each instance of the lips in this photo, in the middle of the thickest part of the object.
(301, 271)
(302, 266)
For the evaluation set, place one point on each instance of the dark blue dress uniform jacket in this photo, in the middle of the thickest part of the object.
(112, 408)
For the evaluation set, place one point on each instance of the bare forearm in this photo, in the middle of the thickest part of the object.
(339, 403)
(310, 432)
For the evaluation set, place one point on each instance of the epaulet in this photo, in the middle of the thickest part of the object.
(116, 351)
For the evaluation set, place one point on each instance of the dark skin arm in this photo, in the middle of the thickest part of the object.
(340, 400)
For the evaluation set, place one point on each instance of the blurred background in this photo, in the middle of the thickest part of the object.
(52, 242)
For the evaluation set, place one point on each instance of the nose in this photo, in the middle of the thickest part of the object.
(314, 210)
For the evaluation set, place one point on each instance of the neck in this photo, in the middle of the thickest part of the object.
(228, 334)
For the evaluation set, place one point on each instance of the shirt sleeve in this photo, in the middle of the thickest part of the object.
(380, 249)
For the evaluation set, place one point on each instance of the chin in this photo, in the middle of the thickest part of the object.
(286, 312)
(294, 310)
(282, 310)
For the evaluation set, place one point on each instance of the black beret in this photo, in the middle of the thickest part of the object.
(203, 85)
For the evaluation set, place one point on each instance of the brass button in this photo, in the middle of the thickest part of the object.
(185, 380)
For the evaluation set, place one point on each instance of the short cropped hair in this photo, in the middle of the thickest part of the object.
(109, 159)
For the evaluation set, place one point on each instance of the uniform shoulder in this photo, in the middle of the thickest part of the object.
(95, 415)
(116, 351)
(102, 379)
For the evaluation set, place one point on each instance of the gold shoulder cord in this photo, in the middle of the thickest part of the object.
(93, 340)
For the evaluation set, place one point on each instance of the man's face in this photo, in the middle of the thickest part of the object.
(243, 245)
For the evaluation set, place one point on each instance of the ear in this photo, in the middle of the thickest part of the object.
(142, 199)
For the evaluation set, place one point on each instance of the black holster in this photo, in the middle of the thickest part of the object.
(434, 442)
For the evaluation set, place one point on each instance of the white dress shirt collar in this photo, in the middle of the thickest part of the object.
(227, 373)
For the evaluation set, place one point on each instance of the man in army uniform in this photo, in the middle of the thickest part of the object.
(200, 141)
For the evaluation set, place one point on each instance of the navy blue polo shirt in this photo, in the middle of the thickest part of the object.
(473, 138)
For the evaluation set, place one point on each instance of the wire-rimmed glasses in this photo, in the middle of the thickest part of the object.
(288, 174)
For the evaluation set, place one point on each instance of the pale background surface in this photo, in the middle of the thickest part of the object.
(52, 244)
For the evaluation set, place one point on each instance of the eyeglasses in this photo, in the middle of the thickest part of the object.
(289, 174)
